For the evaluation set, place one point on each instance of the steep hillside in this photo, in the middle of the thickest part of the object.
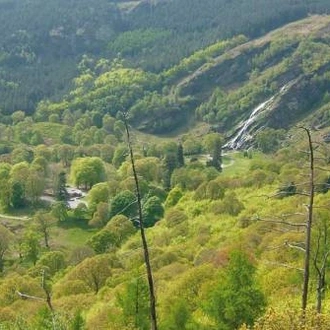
(43, 42)
(281, 77)
(227, 231)
(237, 86)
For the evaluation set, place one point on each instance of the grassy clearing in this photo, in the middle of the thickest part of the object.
(235, 163)
(71, 238)
(65, 236)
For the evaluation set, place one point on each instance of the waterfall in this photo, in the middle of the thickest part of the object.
(243, 129)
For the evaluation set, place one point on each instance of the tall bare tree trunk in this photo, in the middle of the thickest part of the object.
(152, 298)
(308, 223)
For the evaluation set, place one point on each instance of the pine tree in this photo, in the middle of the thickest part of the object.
(61, 193)
(180, 156)
(236, 299)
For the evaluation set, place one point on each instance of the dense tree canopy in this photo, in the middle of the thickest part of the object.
(77, 261)
(87, 171)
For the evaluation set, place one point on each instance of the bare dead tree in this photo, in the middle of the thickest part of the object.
(309, 221)
(318, 257)
(152, 297)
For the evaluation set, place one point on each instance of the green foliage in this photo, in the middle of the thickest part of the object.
(119, 155)
(210, 190)
(101, 215)
(112, 91)
(43, 222)
(290, 318)
(60, 211)
(192, 146)
(287, 190)
(170, 163)
(223, 81)
(143, 34)
(102, 241)
(48, 320)
(93, 272)
(121, 227)
(123, 203)
(152, 211)
(87, 171)
(30, 247)
(134, 302)
(179, 317)
(235, 299)
(200, 57)
(6, 237)
(230, 205)
(187, 178)
(132, 42)
(174, 217)
(5, 192)
(187, 288)
(78, 322)
(60, 191)
(173, 197)
(269, 140)
(157, 114)
(35, 184)
(99, 193)
(51, 262)
(148, 168)
(17, 195)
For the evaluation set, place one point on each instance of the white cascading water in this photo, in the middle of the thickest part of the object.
(243, 135)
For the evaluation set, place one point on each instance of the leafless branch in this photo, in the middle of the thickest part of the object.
(26, 296)
(283, 265)
(280, 222)
(295, 246)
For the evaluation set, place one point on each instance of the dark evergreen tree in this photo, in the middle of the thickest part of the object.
(170, 163)
(236, 299)
(215, 153)
(180, 155)
(61, 193)
(153, 211)
(123, 203)
(17, 195)
(287, 190)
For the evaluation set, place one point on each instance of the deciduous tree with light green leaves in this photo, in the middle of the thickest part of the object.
(134, 303)
(99, 193)
(43, 222)
(87, 171)
(6, 237)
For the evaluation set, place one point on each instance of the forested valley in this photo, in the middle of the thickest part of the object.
(185, 138)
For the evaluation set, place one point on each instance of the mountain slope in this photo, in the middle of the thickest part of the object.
(42, 42)
(281, 77)
(250, 74)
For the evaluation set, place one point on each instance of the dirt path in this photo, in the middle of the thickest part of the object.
(11, 217)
